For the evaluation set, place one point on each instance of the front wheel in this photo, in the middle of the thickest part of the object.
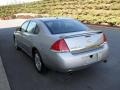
(16, 44)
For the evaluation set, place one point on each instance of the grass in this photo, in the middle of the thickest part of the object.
(88, 11)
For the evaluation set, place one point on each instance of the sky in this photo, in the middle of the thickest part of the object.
(8, 2)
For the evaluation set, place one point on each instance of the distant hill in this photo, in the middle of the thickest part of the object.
(88, 11)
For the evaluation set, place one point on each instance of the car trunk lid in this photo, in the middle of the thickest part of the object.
(83, 42)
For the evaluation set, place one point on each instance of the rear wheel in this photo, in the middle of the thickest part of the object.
(38, 63)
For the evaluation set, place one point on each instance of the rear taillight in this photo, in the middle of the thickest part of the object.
(60, 46)
(104, 38)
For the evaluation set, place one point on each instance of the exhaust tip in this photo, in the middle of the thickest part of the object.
(105, 61)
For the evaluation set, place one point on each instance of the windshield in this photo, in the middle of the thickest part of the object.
(65, 26)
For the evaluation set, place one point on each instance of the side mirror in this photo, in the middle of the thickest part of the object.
(18, 29)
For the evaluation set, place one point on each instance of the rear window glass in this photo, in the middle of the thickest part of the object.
(64, 26)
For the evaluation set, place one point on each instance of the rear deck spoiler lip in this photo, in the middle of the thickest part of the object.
(83, 34)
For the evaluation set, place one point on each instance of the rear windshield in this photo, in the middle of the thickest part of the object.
(65, 26)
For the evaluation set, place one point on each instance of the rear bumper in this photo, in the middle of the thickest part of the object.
(65, 62)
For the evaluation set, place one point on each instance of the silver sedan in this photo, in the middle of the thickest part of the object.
(61, 44)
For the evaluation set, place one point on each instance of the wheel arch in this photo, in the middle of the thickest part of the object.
(34, 49)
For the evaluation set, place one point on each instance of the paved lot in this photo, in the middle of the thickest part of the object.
(4, 84)
(23, 76)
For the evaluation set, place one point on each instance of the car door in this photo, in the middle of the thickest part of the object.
(28, 36)
(19, 34)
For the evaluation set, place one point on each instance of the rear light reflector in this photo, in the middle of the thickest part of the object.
(60, 46)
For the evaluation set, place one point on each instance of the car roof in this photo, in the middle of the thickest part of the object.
(50, 18)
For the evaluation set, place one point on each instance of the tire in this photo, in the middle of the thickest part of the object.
(38, 63)
(16, 44)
